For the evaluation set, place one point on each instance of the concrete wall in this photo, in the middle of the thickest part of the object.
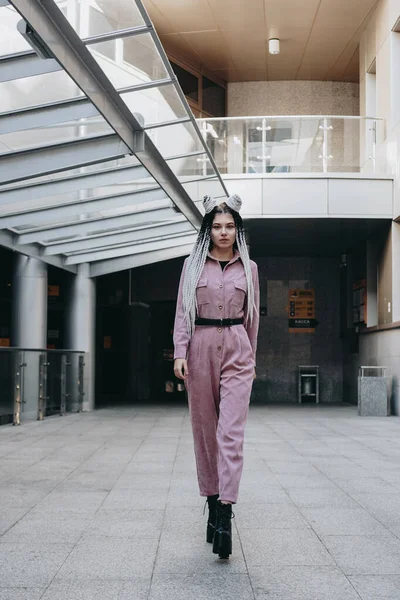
(293, 98)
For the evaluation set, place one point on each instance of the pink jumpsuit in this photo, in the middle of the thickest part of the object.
(221, 363)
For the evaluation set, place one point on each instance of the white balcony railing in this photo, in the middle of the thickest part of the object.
(292, 144)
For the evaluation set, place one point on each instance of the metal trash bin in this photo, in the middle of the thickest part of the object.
(373, 396)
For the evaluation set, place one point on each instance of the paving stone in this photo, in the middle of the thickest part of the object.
(365, 555)
(301, 583)
(48, 530)
(190, 554)
(343, 521)
(110, 558)
(283, 547)
(377, 587)
(24, 565)
(134, 589)
(221, 584)
(315, 497)
(21, 593)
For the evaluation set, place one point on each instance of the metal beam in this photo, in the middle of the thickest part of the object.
(7, 240)
(46, 115)
(67, 212)
(131, 249)
(139, 260)
(179, 225)
(73, 108)
(17, 166)
(89, 226)
(25, 64)
(167, 123)
(74, 183)
(50, 24)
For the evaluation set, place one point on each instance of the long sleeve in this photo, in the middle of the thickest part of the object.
(252, 330)
(181, 334)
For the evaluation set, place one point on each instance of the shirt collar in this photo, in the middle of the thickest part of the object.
(236, 256)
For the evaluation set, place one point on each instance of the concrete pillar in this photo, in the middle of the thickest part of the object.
(372, 284)
(80, 331)
(29, 325)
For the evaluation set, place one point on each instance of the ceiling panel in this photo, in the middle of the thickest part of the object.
(238, 14)
(318, 37)
(189, 15)
(211, 47)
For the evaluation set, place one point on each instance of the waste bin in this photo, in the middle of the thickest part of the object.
(373, 396)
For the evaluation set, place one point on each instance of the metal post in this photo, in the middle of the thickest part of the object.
(18, 392)
(81, 375)
(43, 364)
(325, 145)
(64, 395)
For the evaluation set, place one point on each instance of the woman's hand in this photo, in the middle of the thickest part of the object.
(254, 374)
(180, 368)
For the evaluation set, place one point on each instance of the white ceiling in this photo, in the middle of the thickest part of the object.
(319, 38)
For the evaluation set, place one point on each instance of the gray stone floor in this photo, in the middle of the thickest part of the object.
(104, 506)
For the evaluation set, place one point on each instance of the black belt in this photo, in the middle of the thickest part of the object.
(219, 322)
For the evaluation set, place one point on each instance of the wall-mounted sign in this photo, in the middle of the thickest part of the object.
(302, 311)
(360, 302)
(53, 290)
(4, 342)
(107, 342)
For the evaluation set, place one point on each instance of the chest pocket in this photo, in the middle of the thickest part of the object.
(202, 292)
(239, 293)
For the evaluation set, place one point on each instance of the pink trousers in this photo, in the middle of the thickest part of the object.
(221, 367)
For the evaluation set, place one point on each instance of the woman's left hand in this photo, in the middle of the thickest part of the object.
(254, 374)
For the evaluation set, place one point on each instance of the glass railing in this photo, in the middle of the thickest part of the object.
(35, 384)
(299, 144)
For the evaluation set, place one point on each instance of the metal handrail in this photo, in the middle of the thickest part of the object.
(244, 117)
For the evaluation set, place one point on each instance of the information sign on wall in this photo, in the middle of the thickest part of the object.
(302, 311)
(360, 302)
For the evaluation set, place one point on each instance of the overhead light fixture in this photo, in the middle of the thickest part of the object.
(33, 39)
(274, 46)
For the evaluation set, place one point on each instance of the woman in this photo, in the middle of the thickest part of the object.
(215, 338)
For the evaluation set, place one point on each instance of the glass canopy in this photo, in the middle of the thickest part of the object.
(101, 159)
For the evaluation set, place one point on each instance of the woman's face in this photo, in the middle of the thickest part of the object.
(223, 231)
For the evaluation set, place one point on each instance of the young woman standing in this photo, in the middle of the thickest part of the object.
(215, 339)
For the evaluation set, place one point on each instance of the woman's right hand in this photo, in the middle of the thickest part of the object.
(180, 368)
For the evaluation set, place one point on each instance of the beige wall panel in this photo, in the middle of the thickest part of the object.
(370, 39)
(363, 49)
(250, 190)
(382, 23)
(292, 98)
(238, 14)
(292, 196)
(253, 75)
(361, 197)
(383, 82)
(394, 12)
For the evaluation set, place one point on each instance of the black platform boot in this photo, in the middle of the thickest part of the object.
(212, 517)
(222, 542)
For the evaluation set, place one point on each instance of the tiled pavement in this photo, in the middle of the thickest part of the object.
(104, 506)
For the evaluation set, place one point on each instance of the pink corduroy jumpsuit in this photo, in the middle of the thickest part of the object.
(221, 363)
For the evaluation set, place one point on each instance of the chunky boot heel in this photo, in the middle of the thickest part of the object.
(212, 517)
(222, 542)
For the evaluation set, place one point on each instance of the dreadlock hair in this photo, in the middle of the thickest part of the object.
(196, 260)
